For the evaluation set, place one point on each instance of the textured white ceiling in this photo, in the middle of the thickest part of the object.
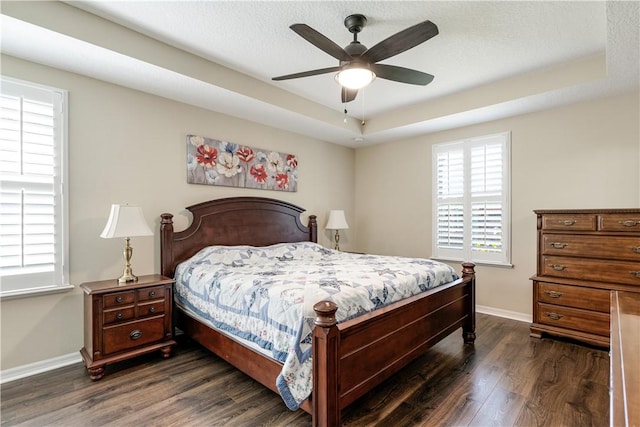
(490, 60)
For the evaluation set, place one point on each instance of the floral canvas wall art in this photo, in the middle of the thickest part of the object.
(216, 162)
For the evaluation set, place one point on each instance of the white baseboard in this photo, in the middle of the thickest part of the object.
(521, 317)
(23, 371)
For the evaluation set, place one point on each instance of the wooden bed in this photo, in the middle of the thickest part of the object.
(349, 358)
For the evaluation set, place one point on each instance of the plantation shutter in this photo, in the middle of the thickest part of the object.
(471, 203)
(32, 240)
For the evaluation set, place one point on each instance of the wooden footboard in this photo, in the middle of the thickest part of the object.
(351, 358)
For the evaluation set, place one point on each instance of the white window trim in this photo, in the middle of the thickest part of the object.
(467, 253)
(63, 186)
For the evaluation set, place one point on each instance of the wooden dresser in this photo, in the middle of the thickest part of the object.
(582, 256)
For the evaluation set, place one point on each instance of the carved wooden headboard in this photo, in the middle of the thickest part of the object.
(254, 221)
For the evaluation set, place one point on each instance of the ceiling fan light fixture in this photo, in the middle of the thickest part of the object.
(355, 78)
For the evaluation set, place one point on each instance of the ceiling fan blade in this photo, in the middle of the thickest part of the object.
(348, 95)
(321, 42)
(399, 42)
(401, 74)
(307, 73)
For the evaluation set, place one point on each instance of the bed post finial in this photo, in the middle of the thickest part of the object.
(468, 269)
(326, 389)
(166, 244)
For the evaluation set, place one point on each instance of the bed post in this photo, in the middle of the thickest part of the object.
(469, 325)
(166, 244)
(325, 398)
(313, 229)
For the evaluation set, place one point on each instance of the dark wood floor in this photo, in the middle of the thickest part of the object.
(506, 379)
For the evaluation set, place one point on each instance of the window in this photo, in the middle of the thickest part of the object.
(33, 232)
(471, 200)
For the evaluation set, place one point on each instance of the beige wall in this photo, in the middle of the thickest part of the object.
(129, 147)
(580, 156)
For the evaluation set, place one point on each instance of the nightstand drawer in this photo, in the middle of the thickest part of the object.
(150, 308)
(574, 318)
(118, 315)
(574, 296)
(133, 334)
(118, 298)
(147, 294)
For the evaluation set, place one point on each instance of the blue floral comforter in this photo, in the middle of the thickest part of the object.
(266, 295)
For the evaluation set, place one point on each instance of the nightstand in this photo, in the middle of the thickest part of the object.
(126, 320)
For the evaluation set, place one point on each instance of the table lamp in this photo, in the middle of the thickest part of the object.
(337, 222)
(126, 221)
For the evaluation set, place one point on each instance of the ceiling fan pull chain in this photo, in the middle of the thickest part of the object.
(345, 116)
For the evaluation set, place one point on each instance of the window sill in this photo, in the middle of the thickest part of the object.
(24, 293)
(477, 263)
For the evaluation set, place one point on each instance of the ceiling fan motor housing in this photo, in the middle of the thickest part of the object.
(355, 23)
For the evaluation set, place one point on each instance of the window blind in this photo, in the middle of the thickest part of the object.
(32, 209)
(471, 200)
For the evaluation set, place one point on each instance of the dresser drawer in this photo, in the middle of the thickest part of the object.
(133, 334)
(574, 296)
(620, 222)
(118, 298)
(573, 222)
(592, 269)
(121, 314)
(573, 318)
(589, 246)
(150, 308)
(147, 294)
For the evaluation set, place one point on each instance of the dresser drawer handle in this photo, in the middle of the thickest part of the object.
(119, 299)
(635, 274)
(152, 294)
(554, 316)
(152, 309)
(553, 294)
(629, 223)
(119, 316)
(636, 249)
(558, 245)
(135, 334)
(558, 267)
(567, 222)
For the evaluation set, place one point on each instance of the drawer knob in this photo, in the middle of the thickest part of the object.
(554, 316)
(629, 223)
(635, 274)
(558, 245)
(152, 294)
(636, 249)
(119, 316)
(119, 299)
(558, 267)
(152, 309)
(135, 334)
(567, 222)
(553, 294)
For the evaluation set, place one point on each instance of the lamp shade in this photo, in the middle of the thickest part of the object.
(126, 221)
(337, 221)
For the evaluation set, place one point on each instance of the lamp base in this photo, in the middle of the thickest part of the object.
(127, 278)
(127, 274)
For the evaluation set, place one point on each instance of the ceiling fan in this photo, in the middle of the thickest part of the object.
(358, 65)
